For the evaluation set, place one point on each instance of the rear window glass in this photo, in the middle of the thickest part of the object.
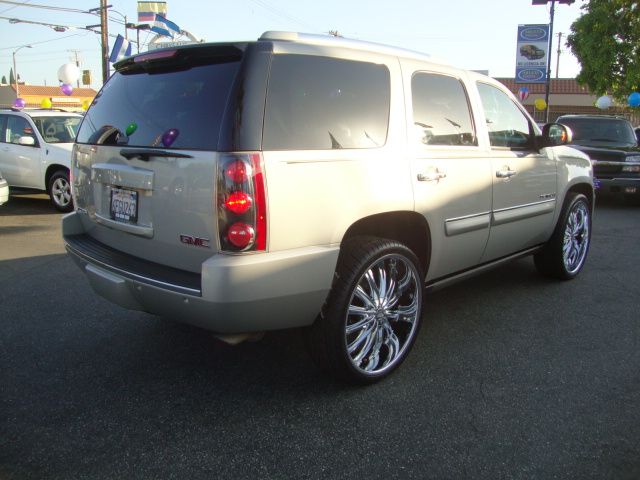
(161, 108)
(317, 103)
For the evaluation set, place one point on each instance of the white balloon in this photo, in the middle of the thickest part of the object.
(604, 102)
(68, 73)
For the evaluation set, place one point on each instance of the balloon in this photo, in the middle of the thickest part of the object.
(540, 104)
(523, 93)
(85, 104)
(634, 99)
(45, 103)
(19, 103)
(68, 73)
(66, 89)
(170, 136)
(604, 102)
(131, 128)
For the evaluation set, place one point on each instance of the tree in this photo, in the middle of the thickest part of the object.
(12, 79)
(4, 80)
(606, 42)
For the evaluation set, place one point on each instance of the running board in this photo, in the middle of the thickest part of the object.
(439, 283)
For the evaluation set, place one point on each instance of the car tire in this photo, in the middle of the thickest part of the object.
(565, 253)
(371, 317)
(59, 190)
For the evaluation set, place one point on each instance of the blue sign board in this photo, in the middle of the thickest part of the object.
(532, 53)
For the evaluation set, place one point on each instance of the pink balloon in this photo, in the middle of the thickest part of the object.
(66, 89)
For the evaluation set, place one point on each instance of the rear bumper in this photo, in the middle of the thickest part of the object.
(232, 294)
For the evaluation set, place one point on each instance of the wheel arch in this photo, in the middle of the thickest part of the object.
(583, 188)
(51, 169)
(406, 227)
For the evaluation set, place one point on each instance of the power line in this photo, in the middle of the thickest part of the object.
(16, 6)
(46, 7)
(282, 14)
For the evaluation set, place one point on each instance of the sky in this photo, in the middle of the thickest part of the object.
(470, 34)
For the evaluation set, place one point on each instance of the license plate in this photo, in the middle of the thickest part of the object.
(124, 205)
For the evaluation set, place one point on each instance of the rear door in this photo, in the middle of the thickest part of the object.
(524, 178)
(146, 156)
(451, 173)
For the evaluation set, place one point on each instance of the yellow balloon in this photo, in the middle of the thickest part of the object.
(85, 104)
(45, 103)
(540, 104)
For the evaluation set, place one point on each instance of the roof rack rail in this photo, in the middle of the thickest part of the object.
(330, 40)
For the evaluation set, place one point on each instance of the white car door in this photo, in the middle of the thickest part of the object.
(20, 161)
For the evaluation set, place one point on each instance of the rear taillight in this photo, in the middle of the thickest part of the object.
(242, 209)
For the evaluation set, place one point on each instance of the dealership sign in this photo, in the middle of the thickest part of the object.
(532, 53)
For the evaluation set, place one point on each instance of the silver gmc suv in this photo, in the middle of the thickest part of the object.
(312, 181)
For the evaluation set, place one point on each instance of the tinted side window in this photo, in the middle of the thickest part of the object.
(17, 127)
(441, 112)
(317, 103)
(508, 126)
(3, 131)
(169, 108)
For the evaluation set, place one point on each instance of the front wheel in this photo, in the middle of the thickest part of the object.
(59, 190)
(566, 251)
(372, 315)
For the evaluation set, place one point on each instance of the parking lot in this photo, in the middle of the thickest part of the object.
(512, 376)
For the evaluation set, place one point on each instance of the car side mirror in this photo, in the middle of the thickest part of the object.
(555, 134)
(28, 141)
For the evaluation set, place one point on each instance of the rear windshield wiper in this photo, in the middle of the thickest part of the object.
(146, 153)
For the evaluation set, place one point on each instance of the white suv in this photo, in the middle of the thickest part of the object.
(313, 181)
(35, 151)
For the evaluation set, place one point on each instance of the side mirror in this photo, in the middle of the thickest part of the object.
(637, 130)
(555, 134)
(29, 141)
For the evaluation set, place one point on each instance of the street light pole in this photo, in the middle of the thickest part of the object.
(15, 70)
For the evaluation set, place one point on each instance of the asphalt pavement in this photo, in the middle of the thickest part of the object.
(512, 376)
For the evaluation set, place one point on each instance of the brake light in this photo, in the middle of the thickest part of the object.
(242, 209)
(155, 56)
(238, 202)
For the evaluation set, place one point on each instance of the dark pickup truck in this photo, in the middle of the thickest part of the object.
(613, 147)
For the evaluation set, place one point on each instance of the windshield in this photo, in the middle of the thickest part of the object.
(594, 131)
(58, 129)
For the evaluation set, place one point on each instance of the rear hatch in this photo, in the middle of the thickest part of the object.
(145, 162)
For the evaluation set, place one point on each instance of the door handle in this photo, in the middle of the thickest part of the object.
(506, 172)
(431, 176)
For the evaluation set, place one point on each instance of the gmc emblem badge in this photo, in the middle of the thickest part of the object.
(195, 241)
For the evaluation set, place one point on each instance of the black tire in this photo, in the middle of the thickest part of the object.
(566, 251)
(59, 190)
(358, 341)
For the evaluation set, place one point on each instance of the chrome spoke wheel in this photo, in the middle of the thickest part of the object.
(576, 238)
(383, 314)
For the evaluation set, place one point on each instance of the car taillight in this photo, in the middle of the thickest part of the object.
(242, 209)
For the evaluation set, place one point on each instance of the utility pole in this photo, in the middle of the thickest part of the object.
(76, 52)
(559, 52)
(104, 34)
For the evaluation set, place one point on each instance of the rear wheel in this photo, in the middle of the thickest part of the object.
(59, 190)
(566, 251)
(372, 315)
